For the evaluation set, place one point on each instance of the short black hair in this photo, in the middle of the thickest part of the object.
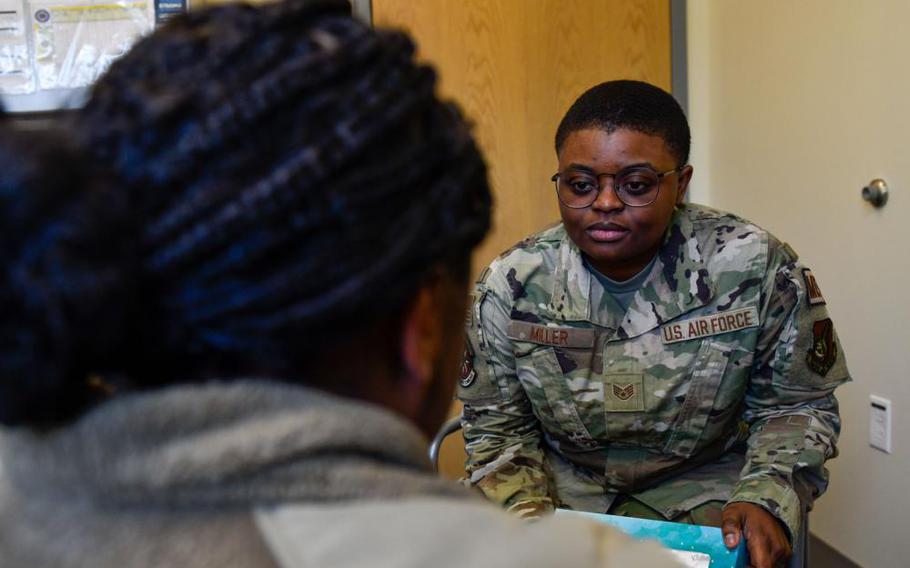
(279, 175)
(633, 105)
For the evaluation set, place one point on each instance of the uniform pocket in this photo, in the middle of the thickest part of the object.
(541, 372)
(687, 434)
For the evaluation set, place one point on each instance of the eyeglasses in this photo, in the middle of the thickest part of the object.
(636, 186)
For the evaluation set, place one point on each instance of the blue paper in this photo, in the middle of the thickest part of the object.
(676, 536)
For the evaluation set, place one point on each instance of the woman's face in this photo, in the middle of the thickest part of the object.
(619, 240)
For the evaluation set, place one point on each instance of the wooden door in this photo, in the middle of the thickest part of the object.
(515, 66)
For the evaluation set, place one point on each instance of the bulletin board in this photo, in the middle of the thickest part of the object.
(51, 51)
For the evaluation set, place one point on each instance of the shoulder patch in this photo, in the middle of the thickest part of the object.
(571, 337)
(468, 374)
(813, 292)
(823, 351)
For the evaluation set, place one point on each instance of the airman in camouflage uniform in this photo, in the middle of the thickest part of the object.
(716, 384)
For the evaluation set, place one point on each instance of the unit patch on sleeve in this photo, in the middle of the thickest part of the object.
(714, 324)
(823, 352)
(813, 292)
(468, 374)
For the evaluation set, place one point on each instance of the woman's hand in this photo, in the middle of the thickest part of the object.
(765, 536)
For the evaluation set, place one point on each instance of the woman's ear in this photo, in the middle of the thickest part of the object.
(682, 185)
(421, 338)
(432, 344)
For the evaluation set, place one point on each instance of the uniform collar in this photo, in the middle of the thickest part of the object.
(678, 283)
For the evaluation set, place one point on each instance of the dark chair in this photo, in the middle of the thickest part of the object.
(450, 427)
(800, 558)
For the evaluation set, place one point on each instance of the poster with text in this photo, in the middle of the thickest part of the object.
(76, 41)
(16, 75)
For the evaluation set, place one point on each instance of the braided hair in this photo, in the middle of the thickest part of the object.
(633, 105)
(282, 173)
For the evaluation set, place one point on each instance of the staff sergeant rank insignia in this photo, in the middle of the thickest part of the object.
(715, 324)
(624, 392)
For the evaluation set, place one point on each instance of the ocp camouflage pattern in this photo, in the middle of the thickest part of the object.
(716, 384)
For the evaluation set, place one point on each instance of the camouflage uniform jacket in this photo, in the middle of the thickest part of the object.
(716, 384)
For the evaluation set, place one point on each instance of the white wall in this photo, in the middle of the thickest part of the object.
(795, 105)
(698, 52)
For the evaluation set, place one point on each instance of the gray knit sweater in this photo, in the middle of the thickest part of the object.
(252, 474)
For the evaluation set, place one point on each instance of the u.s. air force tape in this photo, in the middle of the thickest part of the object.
(714, 324)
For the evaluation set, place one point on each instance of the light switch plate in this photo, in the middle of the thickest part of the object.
(880, 423)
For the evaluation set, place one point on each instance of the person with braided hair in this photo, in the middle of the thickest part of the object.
(232, 305)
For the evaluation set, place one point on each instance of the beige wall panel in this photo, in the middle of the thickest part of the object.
(515, 66)
(796, 106)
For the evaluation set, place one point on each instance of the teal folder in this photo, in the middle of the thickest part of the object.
(694, 545)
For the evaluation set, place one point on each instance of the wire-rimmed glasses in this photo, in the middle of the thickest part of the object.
(636, 186)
